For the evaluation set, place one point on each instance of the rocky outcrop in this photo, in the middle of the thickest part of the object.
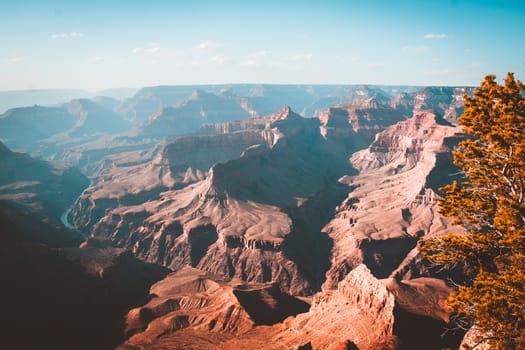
(188, 115)
(249, 218)
(192, 301)
(447, 102)
(262, 207)
(360, 310)
(367, 116)
(341, 96)
(190, 157)
(391, 204)
(201, 311)
(141, 175)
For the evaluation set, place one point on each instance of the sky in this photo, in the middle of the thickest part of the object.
(95, 44)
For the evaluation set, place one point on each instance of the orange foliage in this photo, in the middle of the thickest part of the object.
(490, 204)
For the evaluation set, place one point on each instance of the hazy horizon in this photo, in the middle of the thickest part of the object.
(98, 45)
(197, 85)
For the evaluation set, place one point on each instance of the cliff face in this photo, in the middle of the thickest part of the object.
(35, 193)
(190, 157)
(367, 117)
(56, 292)
(193, 307)
(190, 304)
(447, 102)
(138, 176)
(392, 203)
(249, 217)
(262, 207)
(188, 115)
(359, 296)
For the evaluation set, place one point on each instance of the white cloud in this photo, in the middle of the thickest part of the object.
(96, 59)
(70, 35)
(217, 60)
(301, 57)
(249, 62)
(468, 50)
(208, 45)
(151, 50)
(435, 36)
(155, 49)
(261, 53)
(12, 60)
(415, 49)
(255, 58)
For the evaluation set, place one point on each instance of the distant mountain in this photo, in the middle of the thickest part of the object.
(116, 93)
(107, 102)
(447, 102)
(344, 95)
(259, 99)
(189, 114)
(54, 97)
(368, 114)
(48, 97)
(91, 118)
(30, 128)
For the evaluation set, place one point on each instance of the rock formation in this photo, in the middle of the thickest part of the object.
(446, 102)
(188, 115)
(367, 117)
(66, 298)
(249, 218)
(392, 203)
(58, 296)
(246, 212)
(44, 131)
(35, 194)
(195, 309)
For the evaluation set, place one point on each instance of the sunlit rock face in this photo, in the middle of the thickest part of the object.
(232, 211)
(394, 201)
(248, 213)
(201, 310)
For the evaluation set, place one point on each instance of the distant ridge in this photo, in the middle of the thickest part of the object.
(51, 97)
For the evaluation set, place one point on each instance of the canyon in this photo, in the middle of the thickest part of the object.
(237, 216)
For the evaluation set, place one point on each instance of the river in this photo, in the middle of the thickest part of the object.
(64, 218)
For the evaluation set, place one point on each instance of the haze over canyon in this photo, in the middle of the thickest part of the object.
(228, 217)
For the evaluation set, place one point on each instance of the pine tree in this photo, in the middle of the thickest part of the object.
(489, 204)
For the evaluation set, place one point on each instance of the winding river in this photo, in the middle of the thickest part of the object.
(64, 218)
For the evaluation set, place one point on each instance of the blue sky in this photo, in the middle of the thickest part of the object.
(105, 44)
